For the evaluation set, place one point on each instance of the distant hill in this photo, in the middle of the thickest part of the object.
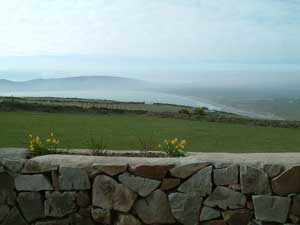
(75, 84)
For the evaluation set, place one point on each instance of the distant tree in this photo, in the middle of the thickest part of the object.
(199, 111)
(184, 111)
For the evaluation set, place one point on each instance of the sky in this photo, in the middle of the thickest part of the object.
(147, 39)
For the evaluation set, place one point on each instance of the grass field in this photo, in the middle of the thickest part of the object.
(88, 103)
(124, 131)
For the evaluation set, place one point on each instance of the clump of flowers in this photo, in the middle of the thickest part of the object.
(37, 146)
(174, 147)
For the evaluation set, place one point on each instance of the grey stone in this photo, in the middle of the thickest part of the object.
(271, 208)
(13, 165)
(73, 179)
(110, 169)
(214, 222)
(154, 209)
(77, 219)
(142, 186)
(199, 183)
(13, 153)
(85, 212)
(108, 194)
(169, 184)
(287, 182)
(236, 187)
(227, 176)
(58, 204)
(294, 219)
(254, 181)
(222, 165)
(14, 218)
(152, 171)
(4, 210)
(295, 209)
(186, 207)
(54, 222)
(208, 213)
(238, 217)
(83, 199)
(272, 170)
(36, 182)
(255, 222)
(187, 170)
(127, 219)
(33, 167)
(31, 205)
(7, 192)
(226, 198)
(102, 216)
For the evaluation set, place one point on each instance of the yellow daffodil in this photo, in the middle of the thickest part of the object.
(183, 142)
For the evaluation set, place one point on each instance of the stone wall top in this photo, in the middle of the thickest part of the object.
(284, 159)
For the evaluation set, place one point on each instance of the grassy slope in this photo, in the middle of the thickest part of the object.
(87, 103)
(122, 132)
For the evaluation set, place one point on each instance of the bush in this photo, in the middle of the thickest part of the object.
(184, 111)
(199, 111)
(98, 146)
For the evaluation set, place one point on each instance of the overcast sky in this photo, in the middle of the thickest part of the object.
(144, 38)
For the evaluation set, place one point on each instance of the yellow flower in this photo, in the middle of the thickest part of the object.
(173, 142)
(30, 135)
(51, 134)
(48, 140)
(183, 142)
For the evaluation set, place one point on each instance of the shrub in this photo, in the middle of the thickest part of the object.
(184, 111)
(37, 146)
(199, 111)
(174, 147)
(98, 146)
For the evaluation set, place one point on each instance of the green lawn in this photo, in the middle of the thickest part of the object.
(123, 131)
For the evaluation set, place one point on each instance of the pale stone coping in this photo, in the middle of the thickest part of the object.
(13, 153)
(284, 159)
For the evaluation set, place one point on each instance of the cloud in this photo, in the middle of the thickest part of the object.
(189, 30)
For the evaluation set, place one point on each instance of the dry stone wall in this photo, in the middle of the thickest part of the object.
(49, 192)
